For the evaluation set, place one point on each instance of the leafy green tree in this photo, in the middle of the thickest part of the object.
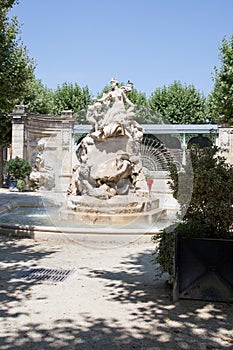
(137, 97)
(39, 98)
(178, 104)
(16, 71)
(16, 68)
(221, 98)
(143, 113)
(73, 97)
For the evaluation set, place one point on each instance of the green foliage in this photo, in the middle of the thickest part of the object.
(39, 98)
(16, 68)
(208, 212)
(72, 97)
(221, 98)
(143, 113)
(146, 115)
(138, 98)
(179, 104)
(164, 251)
(19, 168)
(68, 96)
(5, 129)
(105, 89)
(21, 185)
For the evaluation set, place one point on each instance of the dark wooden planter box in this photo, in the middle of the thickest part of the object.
(203, 269)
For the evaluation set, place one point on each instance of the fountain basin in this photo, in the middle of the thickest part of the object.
(25, 218)
(34, 215)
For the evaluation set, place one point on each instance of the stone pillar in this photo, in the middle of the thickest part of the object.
(65, 149)
(18, 131)
(225, 142)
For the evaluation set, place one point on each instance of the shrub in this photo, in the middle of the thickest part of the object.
(19, 168)
(209, 211)
(21, 184)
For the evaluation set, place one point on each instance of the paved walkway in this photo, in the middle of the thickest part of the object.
(112, 300)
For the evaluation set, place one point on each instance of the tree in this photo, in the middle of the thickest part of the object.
(178, 104)
(73, 97)
(137, 97)
(39, 98)
(16, 68)
(143, 113)
(16, 71)
(221, 98)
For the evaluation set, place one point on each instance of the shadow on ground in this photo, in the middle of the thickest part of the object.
(13, 258)
(153, 321)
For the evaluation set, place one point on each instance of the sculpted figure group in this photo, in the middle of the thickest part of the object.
(110, 116)
(42, 175)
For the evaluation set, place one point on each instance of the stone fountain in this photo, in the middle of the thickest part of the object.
(108, 184)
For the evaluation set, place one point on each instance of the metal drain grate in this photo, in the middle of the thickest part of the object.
(42, 274)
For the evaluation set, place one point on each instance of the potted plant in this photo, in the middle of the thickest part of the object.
(197, 251)
(18, 169)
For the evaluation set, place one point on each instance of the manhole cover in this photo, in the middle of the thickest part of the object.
(43, 274)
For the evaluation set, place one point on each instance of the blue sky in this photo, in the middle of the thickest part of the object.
(150, 42)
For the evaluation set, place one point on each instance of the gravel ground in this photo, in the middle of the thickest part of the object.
(111, 300)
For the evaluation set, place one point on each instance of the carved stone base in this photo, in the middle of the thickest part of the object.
(99, 218)
(118, 210)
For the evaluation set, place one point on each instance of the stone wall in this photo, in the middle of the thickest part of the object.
(54, 133)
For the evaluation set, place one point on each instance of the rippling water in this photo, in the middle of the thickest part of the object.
(37, 217)
(50, 217)
(27, 216)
